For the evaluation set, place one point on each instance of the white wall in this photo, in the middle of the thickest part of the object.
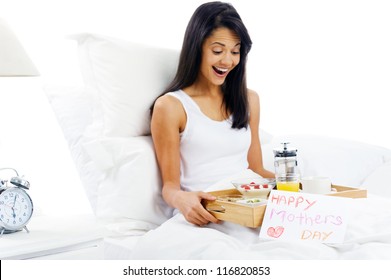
(320, 67)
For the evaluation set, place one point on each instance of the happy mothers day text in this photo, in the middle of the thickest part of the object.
(305, 212)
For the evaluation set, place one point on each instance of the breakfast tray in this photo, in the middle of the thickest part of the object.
(252, 216)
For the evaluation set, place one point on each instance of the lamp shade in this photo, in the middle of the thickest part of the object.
(14, 60)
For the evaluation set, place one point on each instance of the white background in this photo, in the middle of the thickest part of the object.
(320, 67)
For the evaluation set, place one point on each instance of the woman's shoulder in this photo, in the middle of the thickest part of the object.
(169, 105)
(169, 100)
(252, 96)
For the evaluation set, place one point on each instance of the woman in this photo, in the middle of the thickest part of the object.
(205, 124)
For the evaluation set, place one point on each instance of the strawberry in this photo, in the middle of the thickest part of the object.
(256, 187)
(265, 186)
(247, 187)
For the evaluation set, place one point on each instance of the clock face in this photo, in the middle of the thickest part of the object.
(16, 208)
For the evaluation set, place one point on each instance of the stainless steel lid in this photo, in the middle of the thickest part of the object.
(285, 151)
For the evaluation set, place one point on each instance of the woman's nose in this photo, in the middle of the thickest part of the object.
(227, 59)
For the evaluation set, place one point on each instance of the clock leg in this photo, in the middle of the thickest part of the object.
(7, 231)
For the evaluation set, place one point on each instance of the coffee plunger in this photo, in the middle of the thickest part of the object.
(285, 160)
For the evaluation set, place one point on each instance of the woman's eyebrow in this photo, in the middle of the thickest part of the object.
(223, 45)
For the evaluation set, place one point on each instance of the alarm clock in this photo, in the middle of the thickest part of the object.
(16, 206)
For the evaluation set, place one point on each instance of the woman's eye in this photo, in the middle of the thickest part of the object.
(236, 52)
(217, 52)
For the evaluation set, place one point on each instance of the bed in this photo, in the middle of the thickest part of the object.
(106, 125)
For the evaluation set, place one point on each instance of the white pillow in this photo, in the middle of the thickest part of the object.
(73, 108)
(111, 169)
(131, 187)
(127, 77)
(378, 182)
(346, 162)
(265, 137)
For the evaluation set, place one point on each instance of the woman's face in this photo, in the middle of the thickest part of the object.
(220, 54)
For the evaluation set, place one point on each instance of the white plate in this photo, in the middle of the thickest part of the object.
(253, 201)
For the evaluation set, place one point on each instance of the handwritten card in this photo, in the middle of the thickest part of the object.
(306, 217)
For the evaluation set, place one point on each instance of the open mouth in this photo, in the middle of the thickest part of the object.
(220, 71)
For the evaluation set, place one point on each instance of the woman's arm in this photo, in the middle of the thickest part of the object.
(255, 152)
(168, 120)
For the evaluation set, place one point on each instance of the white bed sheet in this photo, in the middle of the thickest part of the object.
(119, 248)
(368, 237)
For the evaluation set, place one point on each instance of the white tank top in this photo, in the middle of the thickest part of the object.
(210, 150)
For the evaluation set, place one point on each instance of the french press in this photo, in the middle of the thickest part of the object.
(285, 160)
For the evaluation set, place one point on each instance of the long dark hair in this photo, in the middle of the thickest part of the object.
(205, 20)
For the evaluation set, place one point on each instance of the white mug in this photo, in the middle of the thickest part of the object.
(316, 185)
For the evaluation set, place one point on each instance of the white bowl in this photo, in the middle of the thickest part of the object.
(254, 187)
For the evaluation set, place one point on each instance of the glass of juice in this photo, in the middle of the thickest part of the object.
(288, 182)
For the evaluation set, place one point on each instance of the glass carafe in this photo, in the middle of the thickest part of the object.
(286, 169)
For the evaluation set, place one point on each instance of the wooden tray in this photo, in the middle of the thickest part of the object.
(252, 216)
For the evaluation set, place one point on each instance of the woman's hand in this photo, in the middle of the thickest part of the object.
(189, 204)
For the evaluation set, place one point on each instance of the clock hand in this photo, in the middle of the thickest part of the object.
(13, 208)
(14, 202)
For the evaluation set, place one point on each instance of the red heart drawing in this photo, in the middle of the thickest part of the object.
(275, 232)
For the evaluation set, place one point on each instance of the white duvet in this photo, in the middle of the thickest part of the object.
(368, 237)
